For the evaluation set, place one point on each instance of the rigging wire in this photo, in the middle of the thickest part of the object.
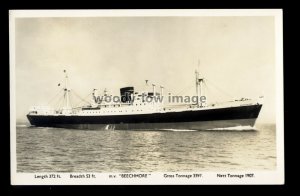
(70, 99)
(57, 102)
(209, 92)
(55, 96)
(184, 90)
(60, 104)
(221, 90)
(82, 99)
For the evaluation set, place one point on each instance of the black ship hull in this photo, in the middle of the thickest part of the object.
(194, 119)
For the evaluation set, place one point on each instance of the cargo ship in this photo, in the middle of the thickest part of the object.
(147, 110)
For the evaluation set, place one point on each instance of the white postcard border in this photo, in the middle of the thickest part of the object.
(259, 177)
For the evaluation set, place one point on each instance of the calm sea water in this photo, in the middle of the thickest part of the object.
(66, 150)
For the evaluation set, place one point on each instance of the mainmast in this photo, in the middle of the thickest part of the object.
(199, 82)
(153, 89)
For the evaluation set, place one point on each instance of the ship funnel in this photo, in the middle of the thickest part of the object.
(127, 94)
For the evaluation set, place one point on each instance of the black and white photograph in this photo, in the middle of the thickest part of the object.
(129, 97)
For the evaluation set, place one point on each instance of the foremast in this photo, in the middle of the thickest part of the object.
(67, 108)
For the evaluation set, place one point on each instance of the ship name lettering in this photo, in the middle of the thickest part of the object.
(134, 175)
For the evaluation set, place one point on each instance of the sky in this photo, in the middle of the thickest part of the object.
(236, 54)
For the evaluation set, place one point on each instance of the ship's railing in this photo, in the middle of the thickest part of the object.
(237, 102)
(42, 111)
(76, 110)
(114, 105)
(68, 111)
